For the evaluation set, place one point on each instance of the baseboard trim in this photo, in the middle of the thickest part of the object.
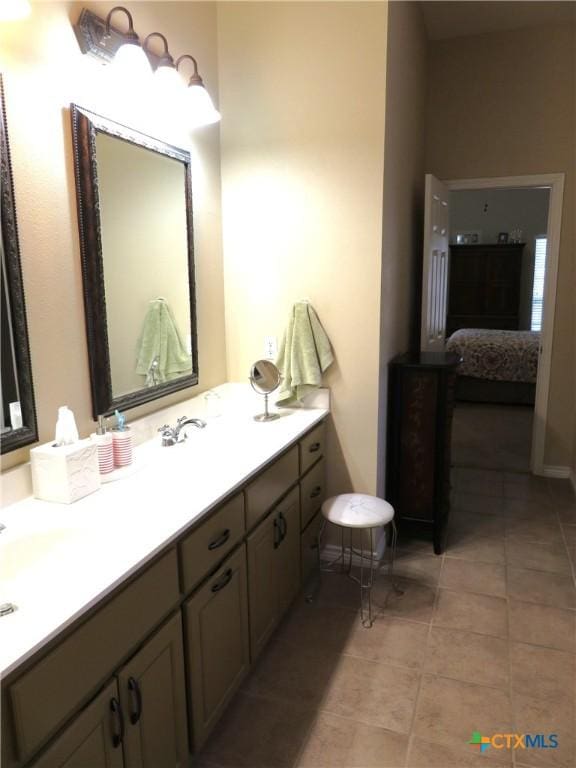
(562, 473)
(332, 551)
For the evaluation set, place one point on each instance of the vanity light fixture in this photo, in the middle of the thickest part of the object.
(165, 75)
(200, 109)
(130, 57)
(101, 40)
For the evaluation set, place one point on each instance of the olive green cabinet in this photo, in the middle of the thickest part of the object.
(153, 701)
(162, 656)
(93, 740)
(309, 553)
(217, 644)
(47, 695)
(139, 719)
(273, 568)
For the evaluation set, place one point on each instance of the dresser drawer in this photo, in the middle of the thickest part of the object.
(312, 493)
(205, 547)
(312, 447)
(263, 492)
(43, 698)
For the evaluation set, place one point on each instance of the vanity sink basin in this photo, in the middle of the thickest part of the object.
(22, 552)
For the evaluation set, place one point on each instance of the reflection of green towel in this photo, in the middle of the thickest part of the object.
(162, 355)
(304, 355)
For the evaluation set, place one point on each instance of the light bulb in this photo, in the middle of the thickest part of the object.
(131, 62)
(200, 109)
(168, 82)
(12, 10)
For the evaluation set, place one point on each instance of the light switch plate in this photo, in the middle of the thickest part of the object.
(270, 347)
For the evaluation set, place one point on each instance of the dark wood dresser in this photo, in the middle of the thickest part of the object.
(421, 397)
(484, 286)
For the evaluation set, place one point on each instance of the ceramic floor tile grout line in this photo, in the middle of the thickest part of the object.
(412, 734)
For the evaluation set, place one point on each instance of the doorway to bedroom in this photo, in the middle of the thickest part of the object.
(500, 429)
(501, 425)
(498, 240)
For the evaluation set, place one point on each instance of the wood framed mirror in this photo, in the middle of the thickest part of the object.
(134, 197)
(18, 413)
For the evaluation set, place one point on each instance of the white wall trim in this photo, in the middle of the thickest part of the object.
(573, 479)
(562, 473)
(555, 181)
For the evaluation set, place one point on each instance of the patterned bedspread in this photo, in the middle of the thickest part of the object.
(496, 355)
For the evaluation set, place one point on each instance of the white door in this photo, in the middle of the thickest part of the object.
(434, 266)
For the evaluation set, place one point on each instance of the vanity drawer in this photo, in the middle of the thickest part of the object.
(312, 492)
(263, 492)
(47, 694)
(205, 547)
(312, 447)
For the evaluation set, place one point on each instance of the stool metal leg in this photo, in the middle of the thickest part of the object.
(366, 585)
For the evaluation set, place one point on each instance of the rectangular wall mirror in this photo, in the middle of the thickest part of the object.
(18, 414)
(134, 198)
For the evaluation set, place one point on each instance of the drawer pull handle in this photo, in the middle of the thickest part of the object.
(283, 526)
(226, 579)
(316, 492)
(134, 688)
(222, 539)
(314, 448)
(117, 736)
(277, 533)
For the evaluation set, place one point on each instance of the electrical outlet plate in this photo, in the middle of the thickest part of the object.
(270, 347)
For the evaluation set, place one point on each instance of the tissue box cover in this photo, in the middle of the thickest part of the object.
(65, 473)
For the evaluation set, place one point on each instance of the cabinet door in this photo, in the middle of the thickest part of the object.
(273, 569)
(287, 565)
(217, 649)
(309, 548)
(262, 577)
(312, 492)
(93, 740)
(153, 700)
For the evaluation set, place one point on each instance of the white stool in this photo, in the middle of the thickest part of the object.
(357, 510)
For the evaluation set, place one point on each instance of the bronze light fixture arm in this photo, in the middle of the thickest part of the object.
(195, 79)
(165, 59)
(130, 36)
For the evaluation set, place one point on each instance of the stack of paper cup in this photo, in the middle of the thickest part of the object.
(105, 452)
(122, 445)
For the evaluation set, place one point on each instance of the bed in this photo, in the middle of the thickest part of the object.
(497, 366)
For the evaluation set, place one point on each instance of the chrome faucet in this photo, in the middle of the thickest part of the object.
(171, 435)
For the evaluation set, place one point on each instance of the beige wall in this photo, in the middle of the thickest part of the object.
(502, 104)
(403, 193)
(43, 72)
(302, 96)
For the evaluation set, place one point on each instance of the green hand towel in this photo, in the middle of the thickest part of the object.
(305, 353)
(162, 355)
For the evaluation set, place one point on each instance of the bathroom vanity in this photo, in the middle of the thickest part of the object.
(142, 625)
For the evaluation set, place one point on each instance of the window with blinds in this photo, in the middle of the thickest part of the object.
(538, 285)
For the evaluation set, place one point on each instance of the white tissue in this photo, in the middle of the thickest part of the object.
(66, 429)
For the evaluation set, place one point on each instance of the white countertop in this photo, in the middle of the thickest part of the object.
(57, 560)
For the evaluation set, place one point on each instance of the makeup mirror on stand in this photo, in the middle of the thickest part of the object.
(265, 378)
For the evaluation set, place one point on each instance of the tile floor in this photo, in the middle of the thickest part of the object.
(483, 639)
(492, 436)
